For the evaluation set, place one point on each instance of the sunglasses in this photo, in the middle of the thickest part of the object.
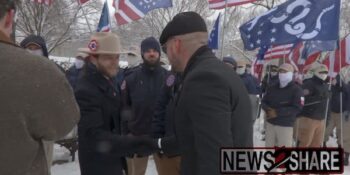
(164, 46)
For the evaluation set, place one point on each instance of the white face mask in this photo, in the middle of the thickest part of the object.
(285, 78)
(38, 52)
(240, 71)
(78, 63)
(321, 76)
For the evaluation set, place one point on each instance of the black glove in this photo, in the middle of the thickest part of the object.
(170, 146)
(146, 146)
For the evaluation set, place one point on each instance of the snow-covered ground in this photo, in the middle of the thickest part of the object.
(72, 168)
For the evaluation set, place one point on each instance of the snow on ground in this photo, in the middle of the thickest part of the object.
(72, 168)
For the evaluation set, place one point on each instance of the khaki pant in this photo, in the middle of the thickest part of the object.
(164, 165)
(310, 132)
(278, 135)
(334, 122)
(48, 147)
(254, 101)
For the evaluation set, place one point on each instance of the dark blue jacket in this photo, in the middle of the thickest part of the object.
(101, 146)
(335, 100)
(287, 102)
(140, 91)
(162, 123)
(73, 75)
(268, 81)
(251, 83)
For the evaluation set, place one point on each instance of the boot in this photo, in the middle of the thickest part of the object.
(346, 159)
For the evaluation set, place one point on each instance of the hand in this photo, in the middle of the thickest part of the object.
(146, 146)
(271, 113)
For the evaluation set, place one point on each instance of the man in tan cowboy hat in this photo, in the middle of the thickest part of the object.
(37, 103)
(101, 146)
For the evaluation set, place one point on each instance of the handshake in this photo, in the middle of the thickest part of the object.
(143, 145)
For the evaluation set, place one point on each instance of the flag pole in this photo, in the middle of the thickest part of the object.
(223, 32)
(84, 13)
(327, 104)
(341, 96)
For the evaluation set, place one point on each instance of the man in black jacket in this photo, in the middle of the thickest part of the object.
(212, 108)
(282, 103)
(312, 118)
(340, 85)
(140, 90)
(101, 147)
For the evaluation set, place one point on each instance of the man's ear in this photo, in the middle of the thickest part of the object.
(9, 19)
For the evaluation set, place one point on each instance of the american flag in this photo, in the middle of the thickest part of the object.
(127, 11)
(220, 4)
(278, 52)
(46, 2)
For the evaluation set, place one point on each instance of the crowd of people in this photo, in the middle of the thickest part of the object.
(182, 117)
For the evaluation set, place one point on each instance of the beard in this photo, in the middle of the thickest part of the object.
(109, 71)
(151, 63)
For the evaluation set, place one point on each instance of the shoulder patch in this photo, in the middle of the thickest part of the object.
(123, 86)
(170, 80)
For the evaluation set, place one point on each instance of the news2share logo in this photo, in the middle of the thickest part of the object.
(281, 160)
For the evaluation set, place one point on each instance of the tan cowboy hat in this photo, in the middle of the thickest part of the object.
(82, 55)
(241, 62)
(103, 43)
(287, 67)
(134, 50)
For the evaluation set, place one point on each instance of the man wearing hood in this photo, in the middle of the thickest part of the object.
(36, 45)
(140, 91)
(37, 103)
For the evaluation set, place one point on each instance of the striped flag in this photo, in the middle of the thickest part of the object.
(333, 57)
(278, 52)
(46, 2)
(127, 11)
(104, 25)
(220, 4)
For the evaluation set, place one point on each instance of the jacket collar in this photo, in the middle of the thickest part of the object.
(204, 50)
(6, 40)
(97, 78)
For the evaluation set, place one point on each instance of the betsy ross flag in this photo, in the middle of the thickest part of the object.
(104, 25)
(46, 2)
(127, 11)
(342, 53)
(220, 4)
(214, 35)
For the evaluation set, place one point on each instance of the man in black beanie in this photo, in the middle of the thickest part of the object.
(212, 108)
(140, 91)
